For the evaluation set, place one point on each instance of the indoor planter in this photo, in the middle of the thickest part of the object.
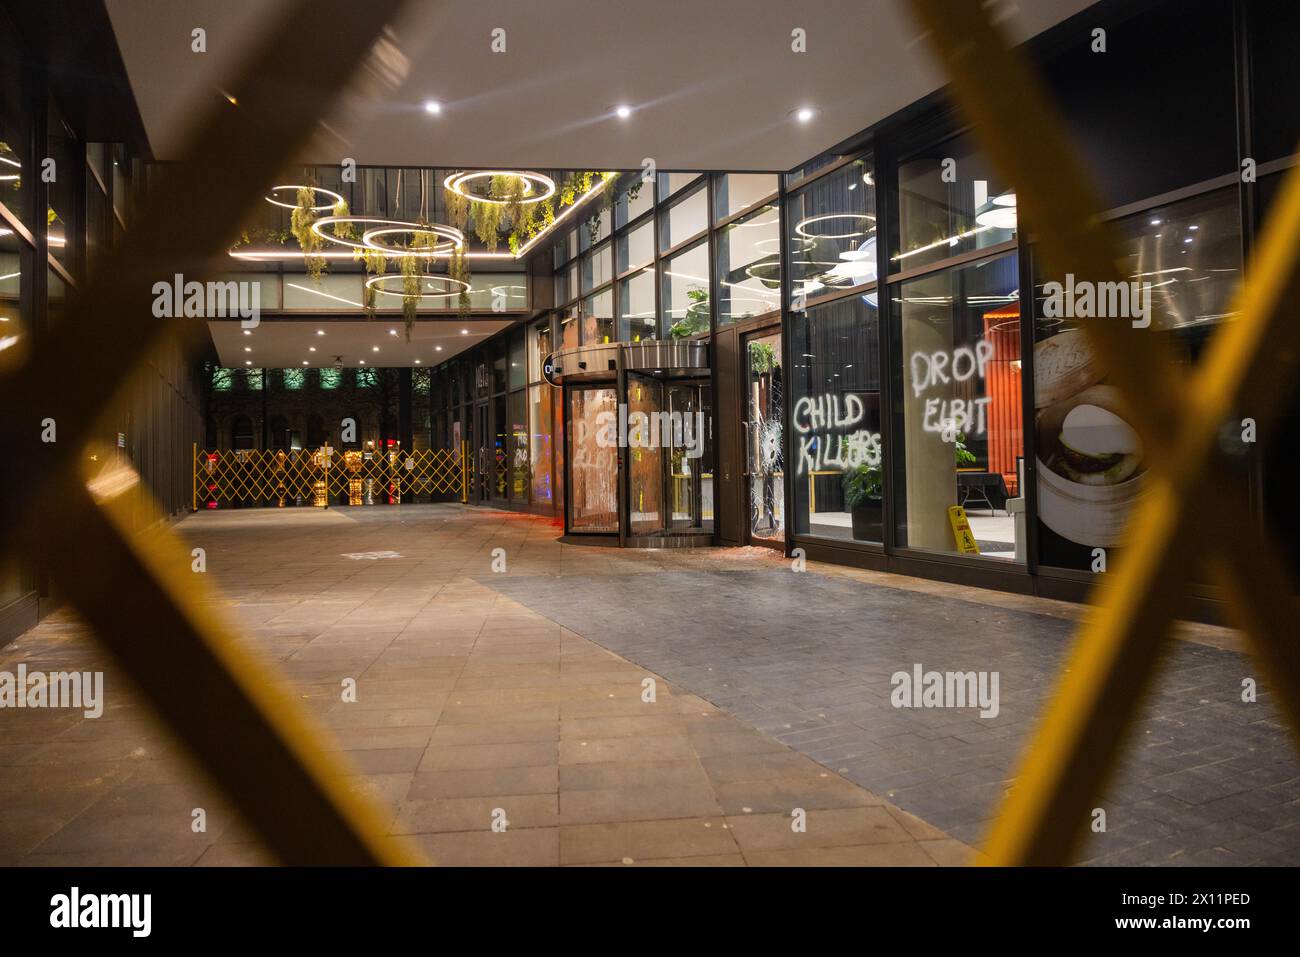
(862, 497)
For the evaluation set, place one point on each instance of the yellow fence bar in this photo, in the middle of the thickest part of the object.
(1177, 414)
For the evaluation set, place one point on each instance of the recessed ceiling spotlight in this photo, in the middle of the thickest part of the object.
(804, 114)
(417, 362)
(392, 332)
(304, 361)
(374, 348)
(464, 332)
(363, 361)
(623, 111)
(248, 332)
(1155, 222)
(248, 362)
(320, 332)
(432, 106)
(437, 348)
(248, 348)
(311, 348)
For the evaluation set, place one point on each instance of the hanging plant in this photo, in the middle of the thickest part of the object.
(457, 208)
(344, 230)
(410, 291)
(487, 224)
(458, 268)
(300, 223)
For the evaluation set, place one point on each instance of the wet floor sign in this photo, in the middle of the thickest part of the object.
(965, 538)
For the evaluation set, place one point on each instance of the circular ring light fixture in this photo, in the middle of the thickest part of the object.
(376, 283)
(452, 238)
(456, 182)
(317, 192)
(858, 217)
(449, 238)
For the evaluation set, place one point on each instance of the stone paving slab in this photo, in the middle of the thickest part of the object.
(471, 707)
(808, 659)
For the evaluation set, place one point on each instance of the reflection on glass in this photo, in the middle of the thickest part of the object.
(835, 421)
(645, 454)
(596, 268)
(958, 421)
(950, 201)
(11, 284)
(593, 468)
(672, 183)
(539, 347)
(1182, 262)
(684, 293)
(832, 223)
(765, 399)
(598, 318)
(733, 192)
(684, 219)
(569, 329)
(749, 269)
(637, 247)
(690, 458)
(520, 476)
(634, 198)
(539, 452)
(636, 296)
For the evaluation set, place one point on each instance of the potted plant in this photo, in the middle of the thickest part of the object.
(862, 497)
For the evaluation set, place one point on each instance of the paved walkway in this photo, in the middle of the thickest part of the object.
(522, 690)
(468, 702)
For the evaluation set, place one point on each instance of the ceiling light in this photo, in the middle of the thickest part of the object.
(374, 348)
(304, 361)
(320, 332)
(863, 218)
(623, 111)
(999, 217)
(248, 362)
(432, 106)
(376, 283)
(457, 181)
(1155, 222)
(804, 114)
(316, 193)
(311, 348)
(464, 332)
(448, 237)
(392, 332)
(248, 332)
(1193, 227)
(248, 348)
(437, 348)
(417, 362)
(363, 361)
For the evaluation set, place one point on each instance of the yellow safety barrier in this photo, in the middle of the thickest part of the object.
(1177, 412)
(242, 725)
(326, 476)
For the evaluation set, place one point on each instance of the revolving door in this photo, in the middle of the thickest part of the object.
(639, 443)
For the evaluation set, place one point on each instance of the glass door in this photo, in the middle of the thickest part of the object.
(481, 442)
(649, 432)
(592, 487)
(764, 407)
(690, 473)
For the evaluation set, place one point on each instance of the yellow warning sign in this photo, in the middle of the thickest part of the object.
(966, 543)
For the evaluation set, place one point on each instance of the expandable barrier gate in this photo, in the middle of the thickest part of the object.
(328, 476)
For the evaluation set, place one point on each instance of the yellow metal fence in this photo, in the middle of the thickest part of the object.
(327, 476)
